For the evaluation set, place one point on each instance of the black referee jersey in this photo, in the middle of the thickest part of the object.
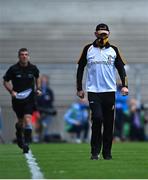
(22, 78)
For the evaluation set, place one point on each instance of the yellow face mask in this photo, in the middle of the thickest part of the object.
(102, 39)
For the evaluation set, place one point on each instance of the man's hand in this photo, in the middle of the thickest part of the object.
(124, 91)
(81, 94)
(77, 123)
(38, 92)
(13, 94)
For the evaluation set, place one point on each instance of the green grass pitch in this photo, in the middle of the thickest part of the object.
(71, 161)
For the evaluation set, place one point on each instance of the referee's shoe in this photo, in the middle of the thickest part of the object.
(25, 148)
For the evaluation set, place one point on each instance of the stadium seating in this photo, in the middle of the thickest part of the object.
(55, 41)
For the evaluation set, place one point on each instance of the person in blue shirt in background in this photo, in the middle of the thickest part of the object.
(77, 120)
(45, 106)
(121, 113)
(136, 119)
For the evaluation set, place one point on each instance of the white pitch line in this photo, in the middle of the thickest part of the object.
(33, 166)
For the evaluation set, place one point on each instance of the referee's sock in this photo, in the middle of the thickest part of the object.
(28, 134)
(19, 136)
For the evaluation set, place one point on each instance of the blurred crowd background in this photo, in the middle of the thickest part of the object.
(55, 32)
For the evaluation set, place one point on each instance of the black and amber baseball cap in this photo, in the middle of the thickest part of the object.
(102, 28)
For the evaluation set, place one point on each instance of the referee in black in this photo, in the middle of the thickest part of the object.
(101, 59)
(22, 82)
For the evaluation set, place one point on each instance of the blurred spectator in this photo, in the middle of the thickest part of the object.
(146, 124)
(1, 138)
(136, 121)
(36, 133)
(45, 106)
(121, 113)
(77, 120)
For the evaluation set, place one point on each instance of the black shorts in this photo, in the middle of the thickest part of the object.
(22, 109)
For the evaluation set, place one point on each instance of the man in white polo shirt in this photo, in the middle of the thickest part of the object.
(102, 59)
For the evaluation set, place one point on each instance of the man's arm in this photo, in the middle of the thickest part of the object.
(37, 81)
(69, 118)
(119, 64)
(8, 81)
(9, 87)
(38, 86)
(80, 71)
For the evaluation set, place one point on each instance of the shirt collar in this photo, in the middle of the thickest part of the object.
(106, 46)
(22, 66)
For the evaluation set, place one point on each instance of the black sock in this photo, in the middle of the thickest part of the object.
(19, 136)
(27, 135)
(18, 128)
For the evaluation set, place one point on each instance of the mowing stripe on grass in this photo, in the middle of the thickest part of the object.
(33, 166)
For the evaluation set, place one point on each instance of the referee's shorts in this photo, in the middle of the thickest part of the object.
(23, 108)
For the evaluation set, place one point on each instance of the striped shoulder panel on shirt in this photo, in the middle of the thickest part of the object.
(119, 54)
(84, 53)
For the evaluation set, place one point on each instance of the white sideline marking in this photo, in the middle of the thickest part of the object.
(33, 166)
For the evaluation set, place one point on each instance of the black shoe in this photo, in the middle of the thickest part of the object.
(19, 141)
(25, 149)
(94, 157)
(107, 157)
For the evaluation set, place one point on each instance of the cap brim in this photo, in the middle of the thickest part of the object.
(102, 31)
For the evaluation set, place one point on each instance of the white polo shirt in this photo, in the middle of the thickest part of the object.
(101, 71)
(101, 66)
